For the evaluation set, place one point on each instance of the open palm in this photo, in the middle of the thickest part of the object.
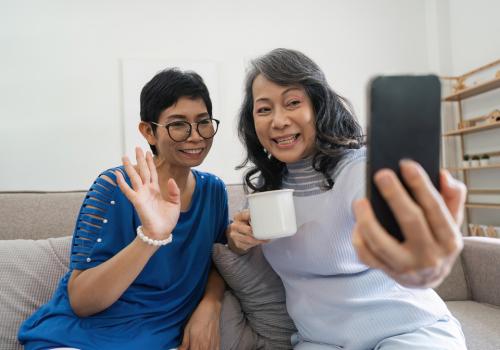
(158, 215)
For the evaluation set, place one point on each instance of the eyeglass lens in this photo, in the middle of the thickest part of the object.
(181, 130)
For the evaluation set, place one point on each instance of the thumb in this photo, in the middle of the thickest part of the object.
(454, 194)
(173, 192)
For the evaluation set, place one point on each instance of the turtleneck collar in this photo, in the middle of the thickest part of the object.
(301, 165)
(306, 181)
(302, 177)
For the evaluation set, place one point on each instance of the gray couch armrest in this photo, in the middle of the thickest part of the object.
(481, 263)
(454, 287)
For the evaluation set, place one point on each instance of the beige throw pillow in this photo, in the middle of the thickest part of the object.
(261, 295)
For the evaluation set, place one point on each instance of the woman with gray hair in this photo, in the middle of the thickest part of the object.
(349, 284)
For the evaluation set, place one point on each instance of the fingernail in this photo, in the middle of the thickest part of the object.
(410, 167)
(383, 178)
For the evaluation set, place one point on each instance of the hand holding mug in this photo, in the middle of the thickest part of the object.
(240, 234)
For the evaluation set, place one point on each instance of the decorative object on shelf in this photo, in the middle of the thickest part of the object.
(473, 229)
(484, 230)
(485, 160)
(480, 231)
(466, 161)
(475, 161)
(460, 85)
(494, 116)
(490, 118)
(491, 231)
(465, 124)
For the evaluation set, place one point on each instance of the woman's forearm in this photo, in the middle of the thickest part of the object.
(93, 290)
(215, 286)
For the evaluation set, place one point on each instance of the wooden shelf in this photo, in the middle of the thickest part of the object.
(474, 90)
(475, 70)
(475, 125)
(483, 190)
(491, 166)
(473, 129)
(482, 205)
(490, 153)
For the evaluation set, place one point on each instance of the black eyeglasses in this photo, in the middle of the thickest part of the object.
(180, 131)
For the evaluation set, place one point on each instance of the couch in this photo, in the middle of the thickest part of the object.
(34, 254)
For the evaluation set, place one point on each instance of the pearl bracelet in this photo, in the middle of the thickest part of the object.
(155, 242)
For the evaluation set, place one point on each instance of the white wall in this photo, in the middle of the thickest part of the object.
(475, 33)
(60, 86)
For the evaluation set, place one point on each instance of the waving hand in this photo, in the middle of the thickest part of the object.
(158, 215)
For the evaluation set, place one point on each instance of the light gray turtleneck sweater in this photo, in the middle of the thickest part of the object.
(332, 297)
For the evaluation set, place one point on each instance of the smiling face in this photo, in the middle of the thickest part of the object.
(189, 153)
(284, 119)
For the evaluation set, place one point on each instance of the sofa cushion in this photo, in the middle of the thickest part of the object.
(38, 215)
(481, 256)
(260, 293)
(234, 329)
(480, 323)
(29, 274)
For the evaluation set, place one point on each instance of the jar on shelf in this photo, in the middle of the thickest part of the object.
(466, 161)
(485, 160)
(475, 161)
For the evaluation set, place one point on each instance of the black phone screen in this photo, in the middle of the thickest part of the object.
(404, 122)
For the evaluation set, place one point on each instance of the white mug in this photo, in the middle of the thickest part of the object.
(272, 214)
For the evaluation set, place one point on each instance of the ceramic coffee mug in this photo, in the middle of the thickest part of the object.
(272, 214)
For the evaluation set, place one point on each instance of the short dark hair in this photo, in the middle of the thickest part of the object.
(166, 88)
(337, 129)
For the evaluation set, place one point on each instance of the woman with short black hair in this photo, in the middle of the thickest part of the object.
(141, 275)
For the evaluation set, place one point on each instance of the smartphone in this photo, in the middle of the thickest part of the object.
(404, 122)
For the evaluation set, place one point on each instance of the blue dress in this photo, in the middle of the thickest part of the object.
(152, 312)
